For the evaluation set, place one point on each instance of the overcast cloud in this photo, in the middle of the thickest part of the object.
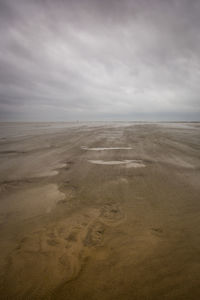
(99, 60)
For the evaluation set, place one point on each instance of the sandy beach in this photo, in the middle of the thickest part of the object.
(100, 211)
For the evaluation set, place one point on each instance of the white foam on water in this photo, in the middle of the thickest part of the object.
(127, 163)
(106, 148)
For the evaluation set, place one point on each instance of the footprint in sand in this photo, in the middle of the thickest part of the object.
(94, 235)
(111, 214)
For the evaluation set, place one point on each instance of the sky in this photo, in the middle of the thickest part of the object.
(108, 60)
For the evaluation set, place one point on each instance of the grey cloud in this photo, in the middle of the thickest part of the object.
(69, 60)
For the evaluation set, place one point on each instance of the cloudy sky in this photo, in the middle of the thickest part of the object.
(69, 60)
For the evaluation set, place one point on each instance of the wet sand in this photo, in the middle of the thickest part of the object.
(125, 227)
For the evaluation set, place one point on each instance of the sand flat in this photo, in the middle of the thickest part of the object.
(73, 229)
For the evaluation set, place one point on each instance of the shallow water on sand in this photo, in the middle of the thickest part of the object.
(128, 163)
